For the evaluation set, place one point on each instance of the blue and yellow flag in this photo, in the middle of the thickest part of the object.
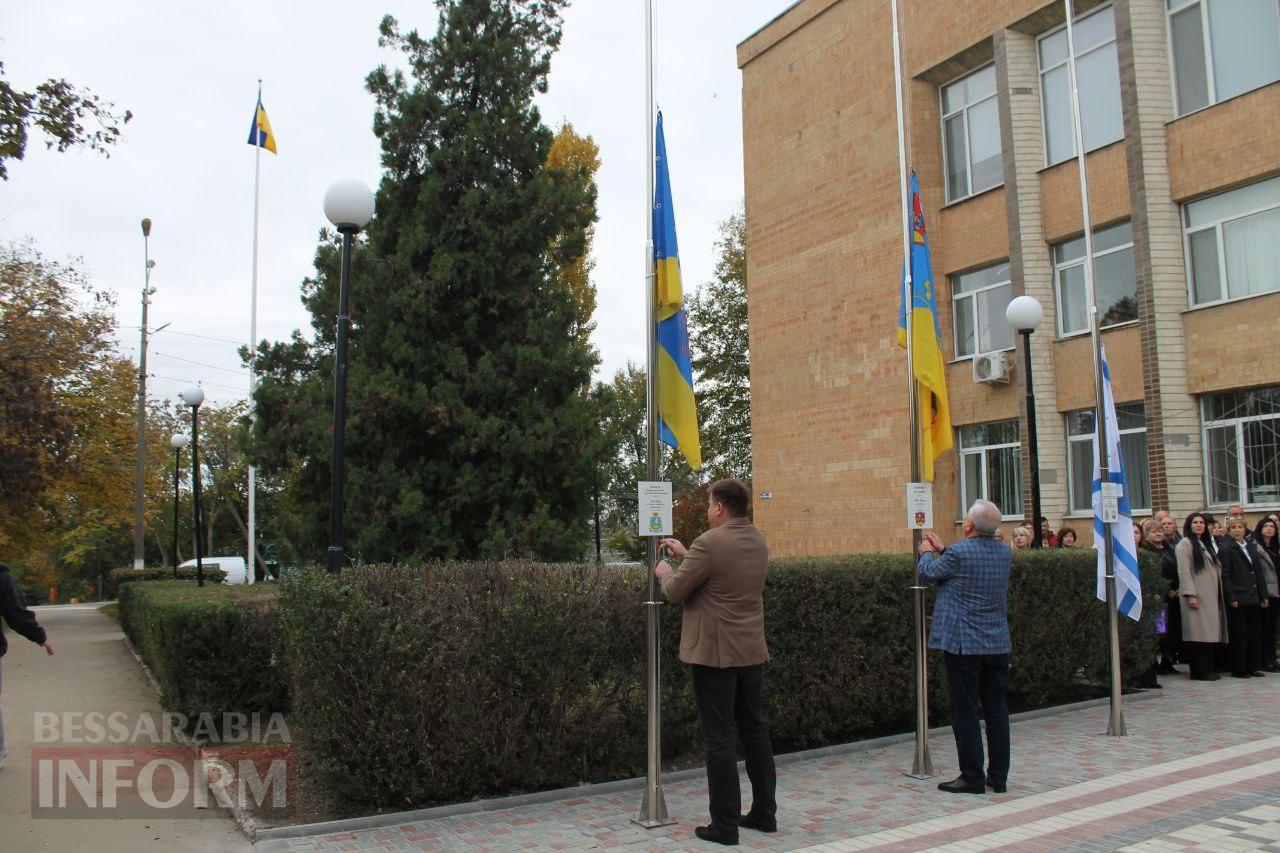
(677, 411)
(928, 365)
(260, 133)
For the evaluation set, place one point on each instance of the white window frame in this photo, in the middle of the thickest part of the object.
(971, 295)
(1059, 268)
(1241, 469)
(1187, 230)
(981, 451)
(1091, 439)
(1044, 136)
(1211, 83)
(968, 157)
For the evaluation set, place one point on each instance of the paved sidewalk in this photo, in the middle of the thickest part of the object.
(1175, 783)
(91, 670)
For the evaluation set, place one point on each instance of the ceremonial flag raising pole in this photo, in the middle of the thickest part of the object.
(1115, 723)
(922, 763)
(260, 136)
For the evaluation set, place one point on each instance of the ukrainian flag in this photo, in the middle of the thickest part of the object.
(260, 133)
(677, 412)
(928, 365)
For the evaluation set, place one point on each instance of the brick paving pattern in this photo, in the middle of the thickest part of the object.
(1175, 783)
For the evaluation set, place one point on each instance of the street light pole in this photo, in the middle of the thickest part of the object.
(177, 441)
(140, 470)
(349, 206)
(1025, 313)
(193, 397)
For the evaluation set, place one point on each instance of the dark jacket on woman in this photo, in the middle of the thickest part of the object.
(1242, 578)
(15, 613)
(1168, 561)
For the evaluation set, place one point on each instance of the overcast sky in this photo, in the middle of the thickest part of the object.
(188, 72)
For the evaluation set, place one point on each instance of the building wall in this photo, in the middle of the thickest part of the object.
(829, 387)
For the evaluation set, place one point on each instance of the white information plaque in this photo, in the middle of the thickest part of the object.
(655, 509)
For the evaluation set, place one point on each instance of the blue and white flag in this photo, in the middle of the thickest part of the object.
(1124, 549)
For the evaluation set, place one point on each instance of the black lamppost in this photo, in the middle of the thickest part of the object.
(193, 397)
(349, 206)
(1024, 314)
(177, 441)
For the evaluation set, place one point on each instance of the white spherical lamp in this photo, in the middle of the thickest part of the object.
(1024, 313)
(178, 441)
(193, 396)
(349, 205)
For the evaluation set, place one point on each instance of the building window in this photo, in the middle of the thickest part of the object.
(1133, 452)
(991, 466)
(1097, 75)
(1222, 48)
(978, 300)
(1242, 446)
(971, 134)
(1114, 282)
(1233, 243)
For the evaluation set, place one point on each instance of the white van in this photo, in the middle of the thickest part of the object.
(233, 566)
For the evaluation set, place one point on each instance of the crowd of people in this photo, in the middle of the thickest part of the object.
(1224, 588)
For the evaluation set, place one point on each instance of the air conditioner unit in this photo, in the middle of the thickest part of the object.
(991, 367)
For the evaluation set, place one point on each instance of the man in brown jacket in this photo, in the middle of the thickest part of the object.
(720, 581)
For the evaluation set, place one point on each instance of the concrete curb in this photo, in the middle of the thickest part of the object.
(244, 821)
(265, 836)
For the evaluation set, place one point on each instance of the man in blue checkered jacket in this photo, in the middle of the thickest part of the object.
(970, 624)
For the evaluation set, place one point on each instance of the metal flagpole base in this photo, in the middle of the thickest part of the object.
(922, 762)
(1116, 727)
(653, 814)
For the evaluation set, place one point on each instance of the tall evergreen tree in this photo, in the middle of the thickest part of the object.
(721, 361)
(468, 432)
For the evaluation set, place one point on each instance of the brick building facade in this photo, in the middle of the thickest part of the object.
(1181, 107)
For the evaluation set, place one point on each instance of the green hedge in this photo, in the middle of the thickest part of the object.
(118, 577)
(427, 684)
(209, 648)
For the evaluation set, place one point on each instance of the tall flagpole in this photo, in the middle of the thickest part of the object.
(653, 807)
(250, 563)
(921, 763)
(1115, 722)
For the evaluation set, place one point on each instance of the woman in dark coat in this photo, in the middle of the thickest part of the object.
(1171, 640)
(1267, 537)
(1245, 592)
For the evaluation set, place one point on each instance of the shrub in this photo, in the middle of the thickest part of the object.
(417, 685)
(209, 648)
(117, 577)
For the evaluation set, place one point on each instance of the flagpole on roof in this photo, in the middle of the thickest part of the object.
(922, 762)
(1115, 722)
(251, 533)
(653, 805)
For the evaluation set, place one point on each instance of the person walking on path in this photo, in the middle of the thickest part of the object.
(22, 620)
(970, 623)
(720, 581)
(1204, 620)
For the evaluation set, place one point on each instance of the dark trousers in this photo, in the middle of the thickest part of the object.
(1200, 656)
(974, 680)
(731, 703)
(1244, 632)
(1171, 640)
(1270, 616)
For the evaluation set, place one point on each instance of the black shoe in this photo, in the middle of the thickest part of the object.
(752, 821)
(1240, 675)
(998, 787)
(1256, 674)
(710, 833)
(1271, 667)
(959, 786)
